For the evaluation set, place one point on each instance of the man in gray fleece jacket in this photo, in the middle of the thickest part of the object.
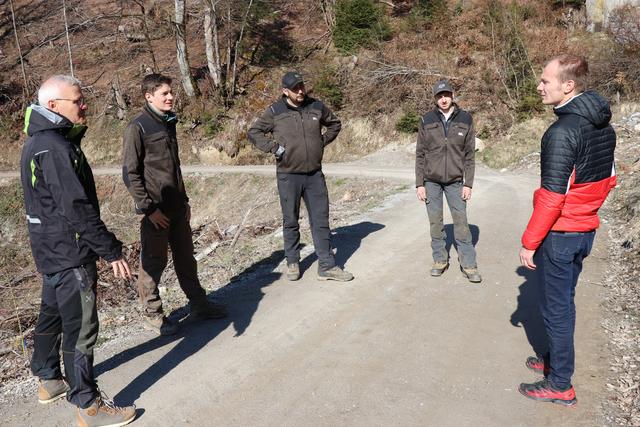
(445, 164)
(291, 129)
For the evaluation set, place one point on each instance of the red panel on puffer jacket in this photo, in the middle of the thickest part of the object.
(575, 211)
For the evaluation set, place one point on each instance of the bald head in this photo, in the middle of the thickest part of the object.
(63, 95)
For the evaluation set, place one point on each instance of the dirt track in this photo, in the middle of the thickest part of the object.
(393, 347)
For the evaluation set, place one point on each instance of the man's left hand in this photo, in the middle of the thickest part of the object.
(188, 213)
(466, 193)
(526, 258)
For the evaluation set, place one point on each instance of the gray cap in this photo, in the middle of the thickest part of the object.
(291, 80)
(442, 86)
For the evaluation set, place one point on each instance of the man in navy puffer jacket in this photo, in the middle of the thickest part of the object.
(577, 173)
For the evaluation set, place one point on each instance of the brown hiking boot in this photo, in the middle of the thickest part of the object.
(293, 271)
(160, 324)
(472, 275)
(439, 268)
(103, 413)
(208, 310)
(335, 273)
(52, 390)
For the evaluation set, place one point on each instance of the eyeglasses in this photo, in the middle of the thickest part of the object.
(78, 102)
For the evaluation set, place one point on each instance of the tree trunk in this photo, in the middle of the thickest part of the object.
(237, 48)
(25, 88)
(229, 43)
(211, 41)
(120, 102)
(66, 30)
(188, 83)
(145, 26)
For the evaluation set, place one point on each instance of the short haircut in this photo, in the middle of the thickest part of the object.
(152, 82)
(572, 67)
(50, 88)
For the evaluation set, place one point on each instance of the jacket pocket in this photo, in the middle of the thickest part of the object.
(157, 147)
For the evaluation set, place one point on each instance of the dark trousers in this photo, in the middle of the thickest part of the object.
(68, 308)
(461, 231)
(560, 263)
(153, 260)
(311, 187)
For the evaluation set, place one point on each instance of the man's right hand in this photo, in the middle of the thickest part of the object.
(421, 192)
(121, 269)
(158, 219)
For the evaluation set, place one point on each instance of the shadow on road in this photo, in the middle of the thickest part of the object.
(527, 313)
(242, 294)
(450, 241)
(346, 240)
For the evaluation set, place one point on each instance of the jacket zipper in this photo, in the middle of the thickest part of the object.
(304, 139)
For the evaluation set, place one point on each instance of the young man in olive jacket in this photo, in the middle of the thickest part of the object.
(67, 237)
(294, 124)
(445, 164)
(151, 172)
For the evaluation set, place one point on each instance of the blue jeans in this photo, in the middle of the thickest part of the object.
(458, 209)
(559, 260)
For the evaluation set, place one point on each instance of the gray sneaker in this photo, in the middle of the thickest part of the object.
(103, 413)
(472, 275)
(52, 390)
(293, 271)
(439, 268)
(161, 325)
(335, 273)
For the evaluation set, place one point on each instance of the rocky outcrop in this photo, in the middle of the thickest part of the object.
(598, 11)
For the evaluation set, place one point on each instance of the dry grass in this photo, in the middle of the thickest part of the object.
(520, 144)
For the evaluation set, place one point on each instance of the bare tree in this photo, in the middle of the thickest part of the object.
(211, 40)
(25, 89)
(66, 30)
(237, 47)
(145, 28)
(188, 82)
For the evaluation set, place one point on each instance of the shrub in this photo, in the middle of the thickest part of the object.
(408, 123)
(430, 9)
(358, 23)
(212, 124)
(328, 89)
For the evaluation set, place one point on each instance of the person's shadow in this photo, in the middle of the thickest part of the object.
(242, 294)
(450, 240)
(527, 313)
(346, 240)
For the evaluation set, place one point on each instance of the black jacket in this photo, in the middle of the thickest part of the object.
(577, 169)
(446, 153)
(151, 165)
(299, 131)
(60, 198)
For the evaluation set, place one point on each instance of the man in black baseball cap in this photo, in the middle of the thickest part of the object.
(445, 166)
(291, 80)
(291, 129)
(442, 86)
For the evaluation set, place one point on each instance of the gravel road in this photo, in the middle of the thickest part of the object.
(394, 347)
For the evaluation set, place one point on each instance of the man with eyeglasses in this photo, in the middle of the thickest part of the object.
(67, 237)
(295, 124)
